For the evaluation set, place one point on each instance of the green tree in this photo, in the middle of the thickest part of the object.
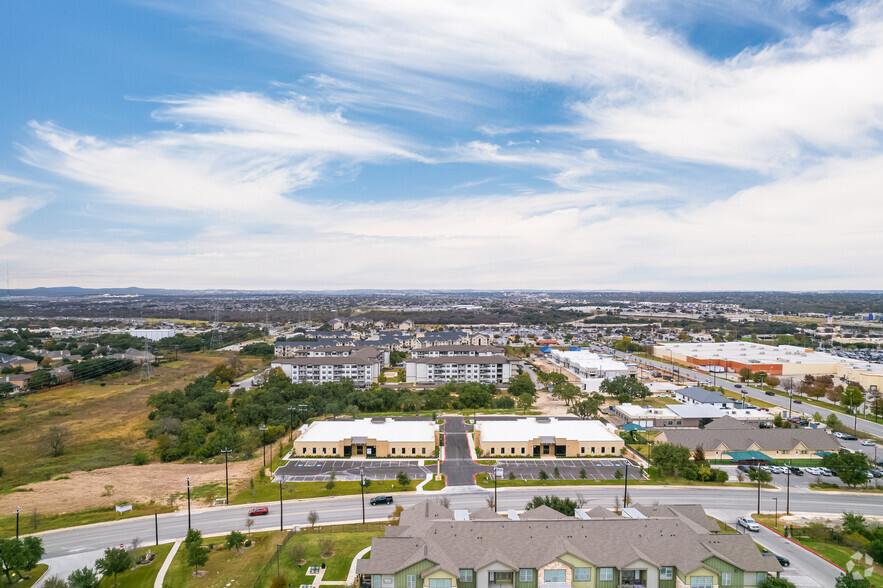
(331, 483)
(197, 553)
(235, 540)
(565, 506)
(402, 479)
(852, 468)
(525, 401)
(522, 384)
(745, 374)
(586, 409)
(624, 385)
(670, 459)
(760, 476)
(852, 398)
(20, 555)
(845, 580)
(854, 523)
(84, 578)
(115, 561)
(832, 421)
(566, 391)
(55, 439)
(773, 582)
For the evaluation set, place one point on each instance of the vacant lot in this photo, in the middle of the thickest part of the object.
(105, 421)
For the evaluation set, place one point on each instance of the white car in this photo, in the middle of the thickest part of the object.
(748, 523)
(839, 435)
(868, 443)
(813, 471)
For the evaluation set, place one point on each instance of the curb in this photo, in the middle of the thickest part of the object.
(800, 545)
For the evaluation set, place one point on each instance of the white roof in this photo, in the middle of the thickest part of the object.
(656, 387)
(707, 411)
(388, 430)
(747, 353)
(588, 359)
(638, 412)
(528, 429)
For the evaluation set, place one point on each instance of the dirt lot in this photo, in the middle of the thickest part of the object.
(130, 483)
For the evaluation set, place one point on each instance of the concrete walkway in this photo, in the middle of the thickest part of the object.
(161, 576)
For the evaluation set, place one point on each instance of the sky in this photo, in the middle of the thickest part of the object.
(455, 144)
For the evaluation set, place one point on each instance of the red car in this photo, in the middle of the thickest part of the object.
(258, 511)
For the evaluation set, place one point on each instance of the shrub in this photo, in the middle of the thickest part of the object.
(544, 475)
(140, 458)
(856, 541)
(721, 476)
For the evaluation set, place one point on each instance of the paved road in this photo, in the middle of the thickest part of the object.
(875, 429)
(223, 519)
(458, 467)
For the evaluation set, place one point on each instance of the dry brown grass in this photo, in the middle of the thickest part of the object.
(106, 423)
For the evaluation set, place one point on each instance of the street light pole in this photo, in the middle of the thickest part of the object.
(788, 492)
(263, 430)
(758, 494)
(776, 501)
(281, 527)
(790, 398)
(17, 513)
(188, 503)
(362, 488)
(226, 475)
(625, 493)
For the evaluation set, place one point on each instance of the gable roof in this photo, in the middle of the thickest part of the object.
(704, 396)
(742, 439)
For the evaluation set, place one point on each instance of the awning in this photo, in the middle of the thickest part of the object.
(822, 453)
(748, 456)
(629, 427)
(547, 440)
(360, 440)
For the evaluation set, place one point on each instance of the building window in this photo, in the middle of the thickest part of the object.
(502, 450)
(605, 574)
(593, 451)
(439, 583)
(412, 581)
(324, 450)
(522, 450)
(466, 576)
(375, 581)
(555, 576)
(582, 574)
(423, 451)
(334, 450)
(392, 450)
(582, 449)
(726, 579)
(492, 450)
(500, 577)
(413, 450)
(512, 451)
(525, 575)
(701, 582)
(314, 451)
(603, 450)
(666, 573)
(761, 577)
(305, 450)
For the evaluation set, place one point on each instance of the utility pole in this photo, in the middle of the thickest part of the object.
(758, 494)
(156, 526)
(362, 487)
(226, 452)
(625, 494)
(291, 410)
(498, 473)
(188, 503)
(263, 430)
(788, 492)
(281, 528)
(776, 501)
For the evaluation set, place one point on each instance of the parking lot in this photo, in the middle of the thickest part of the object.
(319, 470)
(568, 469)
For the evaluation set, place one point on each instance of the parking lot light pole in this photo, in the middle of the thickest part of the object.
(226, 475)
(776, 501)
(362, 488)
(263, 430)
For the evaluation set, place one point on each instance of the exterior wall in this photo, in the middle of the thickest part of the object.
(736, 575)
(481, 576)
(439, 575)
(401, 578)
(574, 448)
(410, 449)
(704, 572)
(417, 372)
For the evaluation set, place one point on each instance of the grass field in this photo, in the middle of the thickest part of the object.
(344, 547)
(31, 577)
(106, 421)
(486, 482)
(142, 575)
(434, 485)
(74, 519)
(225, 566)
(267, 491)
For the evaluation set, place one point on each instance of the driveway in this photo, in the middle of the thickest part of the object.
(458, 467)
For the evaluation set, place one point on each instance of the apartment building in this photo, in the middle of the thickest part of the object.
(456, 350)
(434, 547)
(360, 364)
(485, 369)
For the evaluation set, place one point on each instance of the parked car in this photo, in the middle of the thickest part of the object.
(744, 468)
(748, 523)
(828, 472)
(381, 500)
(848, 437)
(814, 471)
(798, 401)
(877, 473)
(796, 470)
(868, 443)
(770, 393)
(783, 561)
(258, 511)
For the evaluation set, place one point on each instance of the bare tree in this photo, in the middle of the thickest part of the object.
(445, 502)
(249, 523)
(55, 439)
(313, 518)
(491, 503)
(581, 500)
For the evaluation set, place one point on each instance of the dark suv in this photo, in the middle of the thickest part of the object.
(381, 500)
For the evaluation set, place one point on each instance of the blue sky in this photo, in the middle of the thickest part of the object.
(296, 145)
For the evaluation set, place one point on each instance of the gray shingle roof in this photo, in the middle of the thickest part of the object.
(742, 439)
(704, 396)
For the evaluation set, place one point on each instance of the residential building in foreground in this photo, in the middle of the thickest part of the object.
(360, 364)
(486, 369)
(546, 437)
(654, 547)
(378, 437)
